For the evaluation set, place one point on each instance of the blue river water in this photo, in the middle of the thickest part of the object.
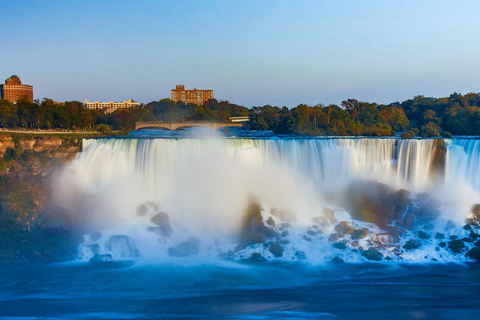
(239, 291)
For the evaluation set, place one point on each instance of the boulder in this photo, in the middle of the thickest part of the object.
(344, 228)
(122, 246)
(142, 210)
(439, 236)
(360, 233)
(476, 211)
(456, 246)
(271, 222)
(450, 225)
(162, 220)
(474, 253)
(276, 249)
(372, 255)
(186, 248)
(256, 256)
(423, 235)
(411, 245)
(102, 258)
(339, 245)
(409, 221)
(329, 214)
(337, 260)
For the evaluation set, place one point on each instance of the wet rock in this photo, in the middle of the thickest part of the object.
(411, 245)
(476, 211)
(337, 260)
(339, 245)
(334, 237)
(271, 222)
(162, 220)
(186, 248)
(456, 246)
(313, 232)
(284, 234)
(453, 237)
(477, 244)
(409, 221)
(442, 244)
(355, 244)
(429, 226)
(469, 240)
(142, 210)
(300, 255)
(423, 235)
(450, 225)
(360, 233)
(439, 236)
(256, 256)
(153, 205)
(372, 255)
(306, 238)
(95, 248)
(253, 230)
(95, 236)
(344, 228)
(122, 246)
(102, 258)
(284, 215)
(276, 249)
(321, 221)
(473, 235)
(329, 214)
(428, 211)
(474, 253)
(467, 227)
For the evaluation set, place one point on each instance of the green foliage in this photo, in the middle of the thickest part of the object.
(12, 154)
(104, 128)
(410, 133)
(430, 130)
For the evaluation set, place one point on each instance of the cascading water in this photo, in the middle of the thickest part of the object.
(204, 186)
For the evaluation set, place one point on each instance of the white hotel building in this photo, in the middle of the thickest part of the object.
(111, 106)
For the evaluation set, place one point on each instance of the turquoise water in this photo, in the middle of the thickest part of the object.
(239, 291)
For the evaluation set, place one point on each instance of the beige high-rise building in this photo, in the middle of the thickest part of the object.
(195, 96)
(111, 106)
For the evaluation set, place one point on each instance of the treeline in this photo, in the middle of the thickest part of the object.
(457, 114)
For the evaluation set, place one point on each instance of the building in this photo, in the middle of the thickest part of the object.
(195, 96)
(13, 90)
(111, 106)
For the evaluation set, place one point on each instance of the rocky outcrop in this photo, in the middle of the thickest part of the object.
(186, 248)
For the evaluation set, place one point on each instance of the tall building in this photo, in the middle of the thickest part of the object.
(13, 90)
(111, 106)
(195, 96)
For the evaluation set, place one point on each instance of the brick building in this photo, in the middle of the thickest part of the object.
(13, 90)
(195, 96)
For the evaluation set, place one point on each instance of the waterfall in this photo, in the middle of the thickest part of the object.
(122, 187)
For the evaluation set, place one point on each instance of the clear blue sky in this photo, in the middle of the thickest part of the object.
(249, 52)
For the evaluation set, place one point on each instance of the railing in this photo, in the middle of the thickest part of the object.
(172, 122)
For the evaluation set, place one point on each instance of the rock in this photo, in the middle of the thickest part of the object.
(271, 222)
(456, 246)
(409, 221)
(355, 244)
(474, 253)
(467, 227)
(186, 248)
(337, 260)
(142, 210)
(313, 232)
(372, 255)
(476, 211)
(360, 233)
(335, 237)
(307, 238)
(469, 240)
(284, 215)
(477, 244)
(153, 205)
(94, 236)
(284, 234)
(329, 214)
(300, 255)
(411, 245)
(442, 244)
(321, 221)
(339, 245)
(122, 246)
(276, 249)
(473, 235)
(256, 256)
(428, 211)
(450, 225)
(95, 248)
(344, 228)
(162, 220)
(102, 258)
(439, 236)
(253, 230)
(453, 237)
(423, 235)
